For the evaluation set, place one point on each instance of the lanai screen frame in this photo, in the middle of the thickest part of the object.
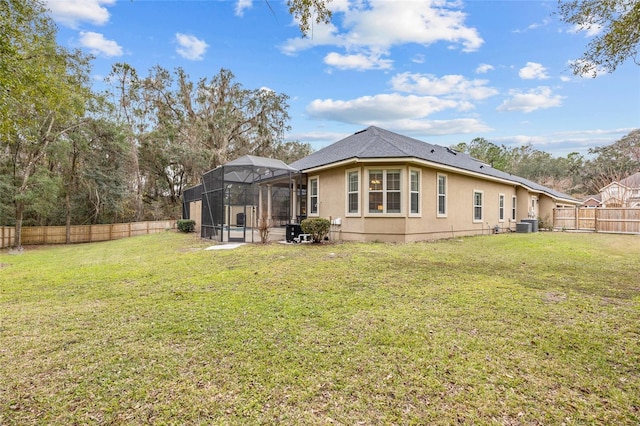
(236, 184)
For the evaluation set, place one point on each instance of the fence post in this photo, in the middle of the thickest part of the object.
(595, 219)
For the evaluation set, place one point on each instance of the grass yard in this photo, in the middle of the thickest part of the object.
(506, 330)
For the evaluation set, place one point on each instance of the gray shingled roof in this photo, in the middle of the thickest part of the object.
(374, 142)
(632, 181)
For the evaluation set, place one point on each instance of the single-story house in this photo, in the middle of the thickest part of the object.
(376, 185)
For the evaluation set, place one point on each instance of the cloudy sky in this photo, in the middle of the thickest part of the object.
(437, 70)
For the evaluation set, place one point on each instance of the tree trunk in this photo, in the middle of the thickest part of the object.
(19, 215)
(67, 206)
(136, 166)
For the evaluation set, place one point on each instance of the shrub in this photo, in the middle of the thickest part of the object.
(317, 227)
(186, 225)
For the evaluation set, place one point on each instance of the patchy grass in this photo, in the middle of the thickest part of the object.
(508, 329)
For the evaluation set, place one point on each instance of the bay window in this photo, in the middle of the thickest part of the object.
(384, 192)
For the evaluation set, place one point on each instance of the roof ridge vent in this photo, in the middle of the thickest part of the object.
(452, 151)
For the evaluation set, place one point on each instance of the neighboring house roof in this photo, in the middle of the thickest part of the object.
(632, 181)
(597, 197)
(376, 143)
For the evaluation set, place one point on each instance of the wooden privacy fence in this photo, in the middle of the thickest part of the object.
(613, 220)
(34, 235)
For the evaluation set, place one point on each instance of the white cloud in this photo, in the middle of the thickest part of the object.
(484, 68)
(71, 13)
(590, 30)
(589, 69)
(378, 25)
(519, 140)
(325, 137)
(323, 35)
(451, 86)
(380, 108)
(241, 5)
(339, 6)
(533, 71)
(190, 47)
(358, 61)
(418, 59)
(436, 127)
(609, 133)
(535, 25)
(98, 45)
(534, 99)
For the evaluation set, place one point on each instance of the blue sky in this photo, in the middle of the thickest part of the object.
(441, 71)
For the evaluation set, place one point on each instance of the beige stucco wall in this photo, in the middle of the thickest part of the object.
(524, 201)
(459, 220)
(545, 210)
(195, 213)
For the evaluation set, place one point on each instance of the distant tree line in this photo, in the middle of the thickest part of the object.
(573, 174)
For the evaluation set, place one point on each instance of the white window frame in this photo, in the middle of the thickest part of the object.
(475, 206)
(514, 203)
(311, 196)
(443, 195)
(501, 199)
(349, 192)
(418, 191)
(384, 190)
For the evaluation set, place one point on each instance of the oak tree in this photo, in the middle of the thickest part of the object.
(617, 24)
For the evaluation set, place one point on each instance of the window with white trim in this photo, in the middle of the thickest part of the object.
(414, 192)
(353, 192)
(442, 195)
(477, 206)
(313, 196)
(513, 207)
(384, 194)
(501, 208)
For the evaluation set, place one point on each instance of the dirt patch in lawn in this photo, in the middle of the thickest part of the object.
(555, 297)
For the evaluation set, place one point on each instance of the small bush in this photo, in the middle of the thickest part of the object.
(186, 225)
(317, 227)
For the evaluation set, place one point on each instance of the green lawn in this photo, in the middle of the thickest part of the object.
(506, 330)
